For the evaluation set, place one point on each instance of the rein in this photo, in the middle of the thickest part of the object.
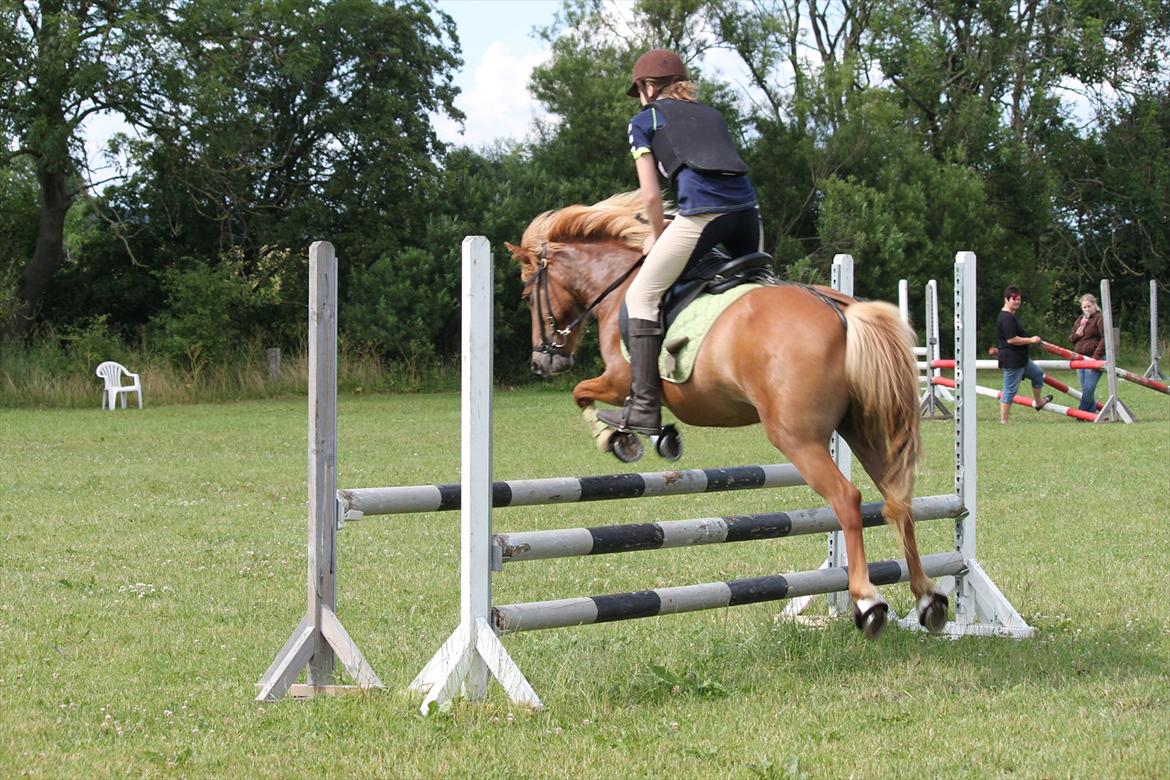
(552, 338)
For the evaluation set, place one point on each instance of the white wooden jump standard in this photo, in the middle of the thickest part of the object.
(1154, 371)
(980, 607)
(462, 664)
(320, 637)
(1114, 409)
(841, 279)
(931, 404)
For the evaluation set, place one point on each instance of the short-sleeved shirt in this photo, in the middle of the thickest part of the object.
(1010, 355)
(698, 193)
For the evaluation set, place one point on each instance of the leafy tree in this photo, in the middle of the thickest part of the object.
(18, 224)
(336, 138)
(263, 127)
(61, 62)
(1114, 206)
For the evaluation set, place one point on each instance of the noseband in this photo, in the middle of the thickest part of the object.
(552, 338)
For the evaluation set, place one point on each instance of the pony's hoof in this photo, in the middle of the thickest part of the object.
(626, 447)
(869, 615)
(668, 444)
(932, 611)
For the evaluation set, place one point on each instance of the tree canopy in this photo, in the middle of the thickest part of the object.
(1033, 133)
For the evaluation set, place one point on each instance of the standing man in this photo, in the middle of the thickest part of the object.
(1013, 357)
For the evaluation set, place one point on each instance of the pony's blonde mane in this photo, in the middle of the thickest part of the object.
(617, 218)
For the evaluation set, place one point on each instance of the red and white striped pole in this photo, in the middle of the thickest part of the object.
(1080, 362)
(1048, 380)
(1051, 406)
(1053, 382)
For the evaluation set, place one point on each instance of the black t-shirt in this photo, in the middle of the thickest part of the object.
(1010, 355)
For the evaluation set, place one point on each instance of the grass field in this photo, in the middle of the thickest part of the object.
(153, 563)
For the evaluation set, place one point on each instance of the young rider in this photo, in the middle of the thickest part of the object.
(688, 143)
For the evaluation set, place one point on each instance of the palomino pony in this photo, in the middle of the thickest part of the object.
(779, 356)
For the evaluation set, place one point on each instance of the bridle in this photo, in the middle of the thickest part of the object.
(553, 338)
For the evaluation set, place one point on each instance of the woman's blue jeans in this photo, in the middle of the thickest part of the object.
(1088, 377)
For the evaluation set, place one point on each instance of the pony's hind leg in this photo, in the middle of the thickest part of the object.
(931, 603)
(821, 474)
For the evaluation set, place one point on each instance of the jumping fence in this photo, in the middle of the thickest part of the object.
(474, 653)
(936, 393)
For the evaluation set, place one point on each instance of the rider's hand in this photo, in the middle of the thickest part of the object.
(648, 244)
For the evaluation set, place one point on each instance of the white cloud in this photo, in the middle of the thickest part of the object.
(497, 102)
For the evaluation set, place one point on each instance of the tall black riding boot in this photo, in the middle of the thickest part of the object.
(643, 410)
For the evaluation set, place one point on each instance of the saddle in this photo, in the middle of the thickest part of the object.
(713, 273)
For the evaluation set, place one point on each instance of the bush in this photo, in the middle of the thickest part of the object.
(205, 307)
(93, 342)
(403, 306)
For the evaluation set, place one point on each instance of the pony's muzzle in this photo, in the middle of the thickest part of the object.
(550, 363)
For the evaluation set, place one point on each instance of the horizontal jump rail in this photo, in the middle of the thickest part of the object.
(357, 502)
(993, 365)
(575, 542)
(1062, 387)
(1129, 376)
(1049, 380)
(1051, 407)
(532, 616)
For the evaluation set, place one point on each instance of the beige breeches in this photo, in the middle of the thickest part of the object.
(667, 259)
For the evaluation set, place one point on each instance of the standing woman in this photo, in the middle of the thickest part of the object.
(1088, 338)
(688, 143)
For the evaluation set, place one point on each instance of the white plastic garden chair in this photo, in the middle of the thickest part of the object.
(112, 373)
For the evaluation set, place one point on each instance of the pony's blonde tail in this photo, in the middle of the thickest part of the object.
(882, 373)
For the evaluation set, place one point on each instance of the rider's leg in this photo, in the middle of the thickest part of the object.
(642, 412)
(741, 232)
(686, 237)
(667, 259)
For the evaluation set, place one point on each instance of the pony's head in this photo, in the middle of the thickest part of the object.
(553, 285)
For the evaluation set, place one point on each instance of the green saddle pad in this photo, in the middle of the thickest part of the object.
(681, 346)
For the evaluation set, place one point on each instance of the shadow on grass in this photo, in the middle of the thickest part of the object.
(762, 658)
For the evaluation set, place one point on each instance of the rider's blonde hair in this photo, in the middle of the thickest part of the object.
(672, 89)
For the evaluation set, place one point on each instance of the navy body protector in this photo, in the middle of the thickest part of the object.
(694, 136)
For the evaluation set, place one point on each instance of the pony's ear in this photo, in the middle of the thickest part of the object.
(518, 252)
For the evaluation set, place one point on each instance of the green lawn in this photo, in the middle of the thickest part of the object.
(152, 564)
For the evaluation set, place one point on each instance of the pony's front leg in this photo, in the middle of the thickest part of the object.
(597, 389)
(602, 434)
(607, 388)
